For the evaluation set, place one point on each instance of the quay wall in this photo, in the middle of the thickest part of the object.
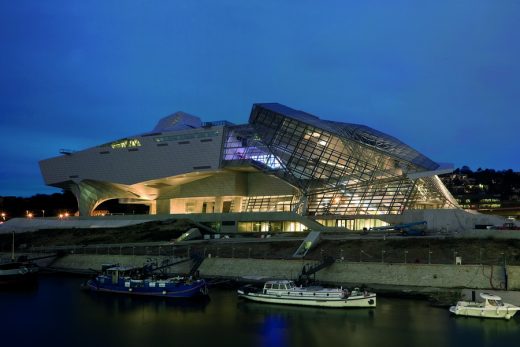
(85, 262)
(345, 273)
(513, 277)
(339, 273)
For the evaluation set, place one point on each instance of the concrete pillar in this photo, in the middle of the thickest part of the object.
(218, 204)
(88, 197)
(237, 204)
(153, 207)
(162, 206)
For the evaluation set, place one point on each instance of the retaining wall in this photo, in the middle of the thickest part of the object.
(339, 273)
(410, 275)
(94, 262)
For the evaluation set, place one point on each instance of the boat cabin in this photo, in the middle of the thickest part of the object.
(275, 286)
(117, 272)
(491, 300)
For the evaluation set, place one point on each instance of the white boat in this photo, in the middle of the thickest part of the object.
(491, 307)
(286, 292)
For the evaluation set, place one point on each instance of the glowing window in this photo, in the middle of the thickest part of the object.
(125, 143)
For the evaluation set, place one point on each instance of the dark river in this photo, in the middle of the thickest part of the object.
(58, 313)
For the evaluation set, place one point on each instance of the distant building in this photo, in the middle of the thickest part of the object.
(282, 171)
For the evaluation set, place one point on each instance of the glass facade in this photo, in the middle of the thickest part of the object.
(338, 168)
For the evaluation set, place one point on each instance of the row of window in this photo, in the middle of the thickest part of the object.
(131, 146)
(200, 135)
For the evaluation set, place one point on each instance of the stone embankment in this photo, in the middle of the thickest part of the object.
(442, 283)
(339, 273)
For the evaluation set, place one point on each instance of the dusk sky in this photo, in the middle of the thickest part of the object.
(442, 76)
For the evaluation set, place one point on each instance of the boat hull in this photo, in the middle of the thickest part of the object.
(181, 290)
(500, 313)
(360, 301)
(15, 274)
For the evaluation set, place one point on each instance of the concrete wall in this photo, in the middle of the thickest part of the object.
(251, 268)
(424, 275)
(409, 275)
(94, 262)
(513, 277)
(260, 184)
(219, 184)
(452, 220)
(340, 273)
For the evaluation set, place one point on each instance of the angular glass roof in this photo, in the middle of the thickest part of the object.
(358, 133)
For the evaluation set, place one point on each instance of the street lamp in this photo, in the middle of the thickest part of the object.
(3, 216)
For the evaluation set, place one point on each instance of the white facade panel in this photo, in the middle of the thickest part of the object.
(151, 160)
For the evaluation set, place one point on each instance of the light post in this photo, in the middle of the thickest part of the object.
(3, 216)
(405, 254)
(43, 213)
(430, 257)
(382, 256)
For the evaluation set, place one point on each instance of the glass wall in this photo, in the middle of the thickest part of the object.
(339, 175)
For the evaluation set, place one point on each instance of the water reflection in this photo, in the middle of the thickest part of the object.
(492, 332)
(122, 304)
(299, 325)
(58, 312)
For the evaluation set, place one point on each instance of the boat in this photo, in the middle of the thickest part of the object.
(131, 281)
(20, 272)
(286, 292)
(491, 307)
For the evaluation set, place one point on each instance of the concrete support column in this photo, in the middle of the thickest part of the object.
(237, 204)
(198, 205)
(162, 206)
(153, 207)
(88, 197)
(218, 204)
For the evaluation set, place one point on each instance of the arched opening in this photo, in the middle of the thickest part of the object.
(114, 207)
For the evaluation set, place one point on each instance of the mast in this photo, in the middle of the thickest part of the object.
(12, 249)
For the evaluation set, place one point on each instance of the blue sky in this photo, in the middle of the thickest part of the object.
(442, 76)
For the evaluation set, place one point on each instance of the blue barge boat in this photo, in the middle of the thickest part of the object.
(126, 280)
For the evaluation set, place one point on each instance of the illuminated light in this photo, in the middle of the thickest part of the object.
(126, 143)
(269, 160)
(321, 142)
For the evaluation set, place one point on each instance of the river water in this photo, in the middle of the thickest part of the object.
(58, 313)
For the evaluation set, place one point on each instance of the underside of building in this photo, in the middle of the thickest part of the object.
(281, 161)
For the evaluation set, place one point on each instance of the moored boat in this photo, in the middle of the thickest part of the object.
(286, 292)
(127, 280)
(18, 273)
(491, 307)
